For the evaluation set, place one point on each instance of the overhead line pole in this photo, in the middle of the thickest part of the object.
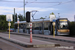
(14, 19)
(24, 8)
(14, 15)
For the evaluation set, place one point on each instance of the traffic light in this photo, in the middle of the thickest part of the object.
(28, 17)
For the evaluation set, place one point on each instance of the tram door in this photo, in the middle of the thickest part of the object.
(51, 28)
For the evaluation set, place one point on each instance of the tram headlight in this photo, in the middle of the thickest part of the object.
(59, 30)
(68, 30)
(64, 30)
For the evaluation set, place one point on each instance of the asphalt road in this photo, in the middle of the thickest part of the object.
(5, 45)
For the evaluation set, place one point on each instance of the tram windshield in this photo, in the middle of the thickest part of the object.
(63, 25)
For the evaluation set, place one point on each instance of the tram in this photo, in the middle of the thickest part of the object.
(44, 26)
(62, 26)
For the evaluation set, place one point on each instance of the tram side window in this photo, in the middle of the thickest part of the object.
(16, 26)
(21, 26)
(40, 26)
(46, 25)
(50, 26)
(37, 28)
(24, 26)
(45, 28)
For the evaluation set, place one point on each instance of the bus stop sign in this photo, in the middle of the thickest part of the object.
(54, 20)
(52, 17)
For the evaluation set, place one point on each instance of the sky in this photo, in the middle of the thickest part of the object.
(65, 8)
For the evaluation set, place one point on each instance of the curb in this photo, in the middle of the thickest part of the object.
(31, 46)
(46, 38)
(56, 39)
(21, 44)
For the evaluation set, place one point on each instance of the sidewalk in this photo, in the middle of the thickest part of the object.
(23, 41)
(59, 38)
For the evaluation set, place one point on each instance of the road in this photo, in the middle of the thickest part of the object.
(5, 45)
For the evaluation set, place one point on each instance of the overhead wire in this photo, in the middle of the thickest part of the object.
(30, 2)
(11, 1)
(56, 4)
(59, 3)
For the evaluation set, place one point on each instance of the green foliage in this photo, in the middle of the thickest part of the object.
(72, 28)
(52, 13)
(42, 18)
(3, 22)
(21, 18)
(12, 24)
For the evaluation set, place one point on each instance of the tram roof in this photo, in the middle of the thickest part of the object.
(36, 20)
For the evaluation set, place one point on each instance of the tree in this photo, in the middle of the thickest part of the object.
(3, 22)
(42, 18)
(21, 18)
(52, 13)
(72, 28)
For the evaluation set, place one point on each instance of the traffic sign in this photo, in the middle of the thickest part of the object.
(30, 24)
(17, 20)
(9, 24)
(52, 17)
(54, 20)
(9, 17)
(53, 23)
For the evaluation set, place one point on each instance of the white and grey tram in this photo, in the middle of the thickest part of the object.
(44, 26)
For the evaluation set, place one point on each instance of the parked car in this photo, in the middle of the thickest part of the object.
(11, 30)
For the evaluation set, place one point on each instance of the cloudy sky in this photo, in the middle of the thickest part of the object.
(65, 8)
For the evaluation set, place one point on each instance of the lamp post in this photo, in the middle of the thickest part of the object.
(24, 8)
(14, 15)
(58, 15)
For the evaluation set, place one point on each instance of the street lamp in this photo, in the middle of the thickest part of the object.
(14, 15)
(24, 8)
(58, 15)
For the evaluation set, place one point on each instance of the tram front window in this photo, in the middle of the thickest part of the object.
(63, 25)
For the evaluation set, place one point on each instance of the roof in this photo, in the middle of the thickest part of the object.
(36, 20)
(39, 20)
